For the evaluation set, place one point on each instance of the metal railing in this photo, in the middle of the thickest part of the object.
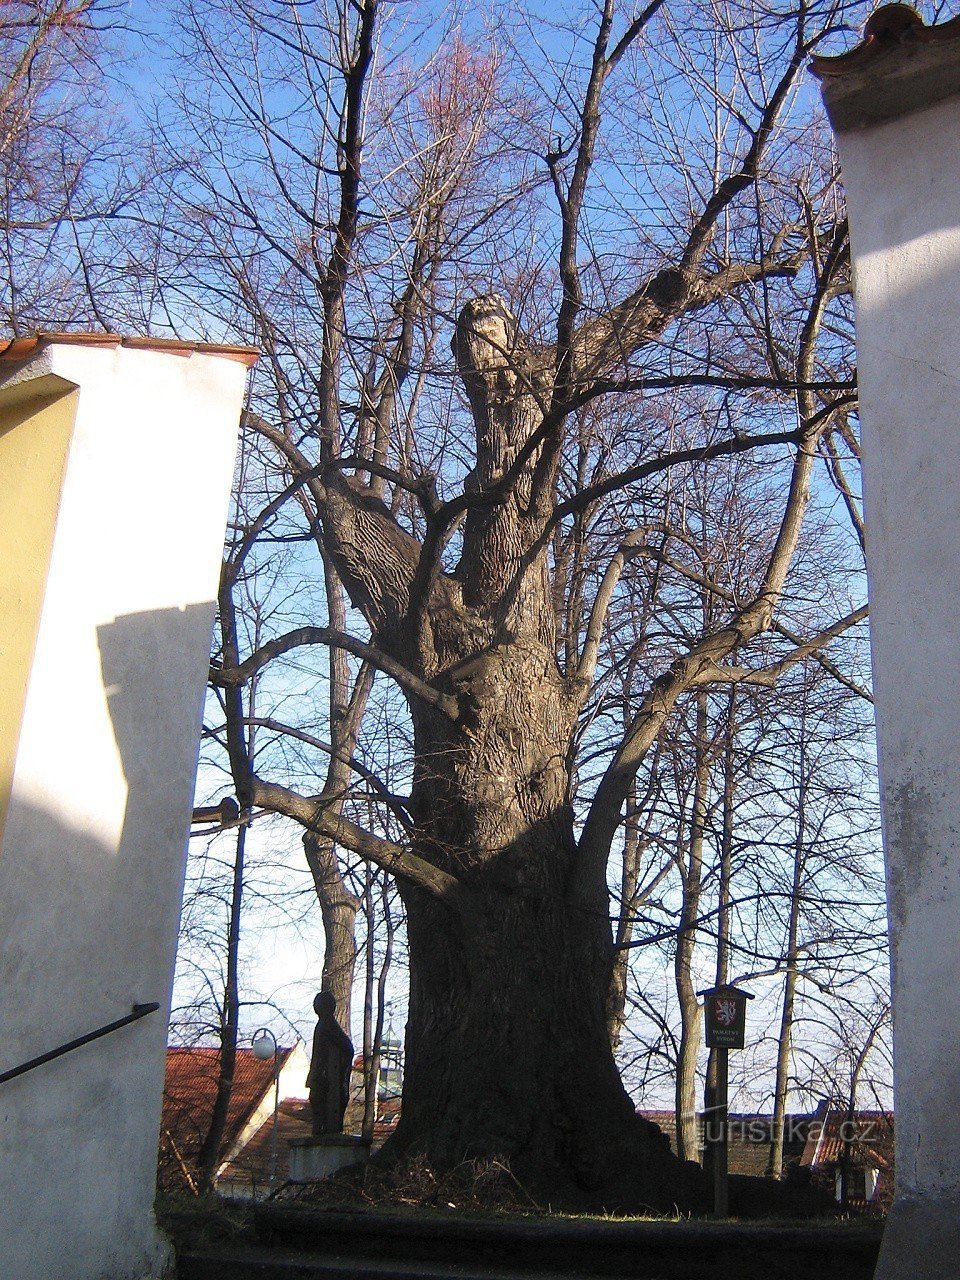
(138, 1011)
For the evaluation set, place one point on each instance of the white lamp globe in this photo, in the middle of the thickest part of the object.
(263, 1048)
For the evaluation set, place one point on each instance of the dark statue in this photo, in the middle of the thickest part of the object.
(329, 1076)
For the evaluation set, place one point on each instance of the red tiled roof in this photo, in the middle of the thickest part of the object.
(251, 1166)
(869, 1134)
(866, 1139)
(189, 1090)
(19, 349)
(751, 1136)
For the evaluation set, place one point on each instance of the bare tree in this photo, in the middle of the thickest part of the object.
(483, 517)
(375, 991)
(71, 173)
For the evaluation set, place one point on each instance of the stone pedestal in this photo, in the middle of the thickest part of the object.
(895, 107)
(316, 1159)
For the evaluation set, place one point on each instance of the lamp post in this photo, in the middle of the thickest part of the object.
(265, 1047)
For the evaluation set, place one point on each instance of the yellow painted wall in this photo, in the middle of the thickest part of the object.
(36, 426)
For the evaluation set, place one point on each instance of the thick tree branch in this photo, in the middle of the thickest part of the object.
(680, 287)
(316, 815)
(375, 557)
(587, 885)
(779, 628)
(589, 494)
(767, 677)
(745, 176)
(663, 462)
(398, 805)
(587, 665)
(721, 381)
(612, 339)
(632, 32)
(304, 636)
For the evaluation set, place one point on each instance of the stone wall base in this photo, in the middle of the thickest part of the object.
(921, 1238)
(316, 1159)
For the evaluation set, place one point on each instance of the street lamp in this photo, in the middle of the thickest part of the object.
(265, 1047)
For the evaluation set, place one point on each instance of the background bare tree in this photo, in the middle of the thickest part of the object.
(73, 169)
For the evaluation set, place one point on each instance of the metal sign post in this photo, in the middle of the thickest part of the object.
(725, 1014)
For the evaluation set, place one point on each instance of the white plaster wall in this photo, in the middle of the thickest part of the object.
(93, 855)
(903, 189)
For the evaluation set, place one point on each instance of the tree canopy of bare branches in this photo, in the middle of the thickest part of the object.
(537, 298)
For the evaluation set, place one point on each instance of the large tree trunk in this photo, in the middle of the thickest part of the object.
(508, 1053)
(508, 1056)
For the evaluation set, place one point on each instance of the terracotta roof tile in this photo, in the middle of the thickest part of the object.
(750, 1138)
(870, 1134)
(189, 1090)
(250, 1168)
(870, 1138)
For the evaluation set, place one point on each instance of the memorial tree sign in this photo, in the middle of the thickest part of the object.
(725, 1015)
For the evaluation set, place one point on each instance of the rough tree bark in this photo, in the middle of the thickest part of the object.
(508, 1050)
